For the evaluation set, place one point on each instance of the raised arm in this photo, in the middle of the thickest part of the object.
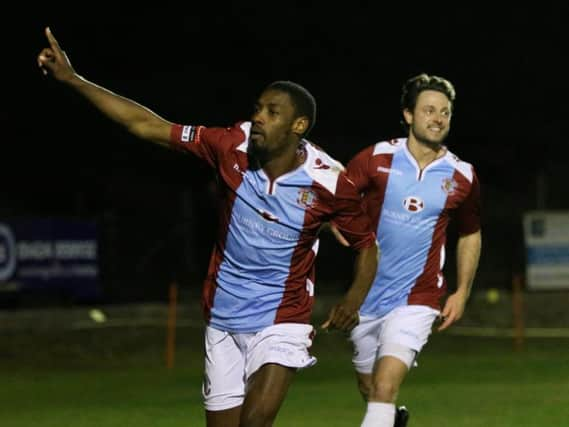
(138, 119)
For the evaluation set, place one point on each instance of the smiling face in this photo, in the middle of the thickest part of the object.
(429, 122)
(276, 125)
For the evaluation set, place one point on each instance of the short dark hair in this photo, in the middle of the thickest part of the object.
(417, 84)
(303, 101)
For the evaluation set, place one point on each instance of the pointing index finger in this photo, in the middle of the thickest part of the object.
(52, 41)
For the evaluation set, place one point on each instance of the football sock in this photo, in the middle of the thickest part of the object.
(379, 414)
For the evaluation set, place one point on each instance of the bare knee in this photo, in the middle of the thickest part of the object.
(387, 377)
(383, 390)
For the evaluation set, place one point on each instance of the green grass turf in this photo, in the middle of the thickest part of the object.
(116, 377)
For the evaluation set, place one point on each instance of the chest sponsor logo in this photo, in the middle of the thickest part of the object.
(413, 204)
(449, 186)
(306, 197)
(254, 227)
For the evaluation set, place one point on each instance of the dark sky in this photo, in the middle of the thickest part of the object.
(206, 63)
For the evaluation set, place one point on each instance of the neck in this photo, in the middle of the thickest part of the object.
(282, 163)
(425, 152)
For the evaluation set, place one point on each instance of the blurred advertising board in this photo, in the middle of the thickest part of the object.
(546, 236)
(56, 256)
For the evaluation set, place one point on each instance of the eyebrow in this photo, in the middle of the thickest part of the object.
(432, 106)
(270, 104)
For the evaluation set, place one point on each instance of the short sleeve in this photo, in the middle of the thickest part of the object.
(357, 169)
(468, 212)
(208, 144)
(349, 217)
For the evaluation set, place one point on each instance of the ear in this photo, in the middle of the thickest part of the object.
(300, 125)
(408, 116)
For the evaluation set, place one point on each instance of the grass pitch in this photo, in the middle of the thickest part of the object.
(117, 377)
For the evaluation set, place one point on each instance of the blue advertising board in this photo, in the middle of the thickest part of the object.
(546, 235)
(50, 255)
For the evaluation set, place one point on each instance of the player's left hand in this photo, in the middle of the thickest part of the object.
(343, 316)
(453, 310)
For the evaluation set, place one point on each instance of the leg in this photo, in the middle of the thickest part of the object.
(224, 418)
(364, 384)
(387, 376)
(365, 338)
(365, 341)
(389, 372)
(266, 391)
(223, 385)
(397, 349)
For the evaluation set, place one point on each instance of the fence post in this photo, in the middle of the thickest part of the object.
(171, 326)
(518, 311)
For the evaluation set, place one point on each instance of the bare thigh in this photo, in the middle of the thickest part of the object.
(225, 418)
(265, 394)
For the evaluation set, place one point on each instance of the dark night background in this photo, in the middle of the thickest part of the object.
(205, 64)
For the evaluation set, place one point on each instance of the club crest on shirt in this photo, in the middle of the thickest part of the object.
(449, 185)
(306, 197)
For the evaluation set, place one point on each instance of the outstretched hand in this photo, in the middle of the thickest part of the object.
(343, 316)
(53, 60)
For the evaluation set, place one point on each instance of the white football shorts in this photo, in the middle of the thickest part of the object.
(231, 359)
(401, 333)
